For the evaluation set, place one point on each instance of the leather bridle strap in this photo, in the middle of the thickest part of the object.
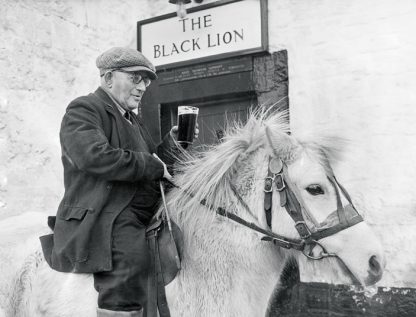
(269, 236)
(268, 195)
(287, 198)
(291, 204)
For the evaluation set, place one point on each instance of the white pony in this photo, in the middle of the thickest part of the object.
(227, 270)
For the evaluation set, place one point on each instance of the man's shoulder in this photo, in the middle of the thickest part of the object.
(90, 102)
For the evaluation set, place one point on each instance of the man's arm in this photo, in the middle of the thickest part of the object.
(84, 142)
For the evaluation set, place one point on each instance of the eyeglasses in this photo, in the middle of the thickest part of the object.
(136, 77)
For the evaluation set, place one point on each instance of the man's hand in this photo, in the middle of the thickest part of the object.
(166, 174)
(174, 132)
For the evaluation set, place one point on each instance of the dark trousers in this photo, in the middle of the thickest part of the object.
(125, 287)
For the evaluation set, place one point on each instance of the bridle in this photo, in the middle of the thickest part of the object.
(308, 239)
(278, 176)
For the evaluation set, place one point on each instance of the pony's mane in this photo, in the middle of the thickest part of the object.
(208, 175)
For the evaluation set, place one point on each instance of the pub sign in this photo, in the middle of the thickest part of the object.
(208, 32)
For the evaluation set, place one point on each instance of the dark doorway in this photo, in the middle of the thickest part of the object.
(223, 91)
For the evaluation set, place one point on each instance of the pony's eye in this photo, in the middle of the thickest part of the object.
(315, 190)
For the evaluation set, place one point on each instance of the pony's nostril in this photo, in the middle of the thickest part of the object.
(375, 271)
(375, 267)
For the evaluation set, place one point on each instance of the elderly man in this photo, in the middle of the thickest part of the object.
(111, 174)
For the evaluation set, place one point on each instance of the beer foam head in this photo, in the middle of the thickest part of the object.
(187, 110)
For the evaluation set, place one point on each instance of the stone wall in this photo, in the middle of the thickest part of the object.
(271, 78)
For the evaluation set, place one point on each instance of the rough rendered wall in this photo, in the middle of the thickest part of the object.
(352, 69)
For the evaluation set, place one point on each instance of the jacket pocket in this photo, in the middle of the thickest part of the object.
(72, 212)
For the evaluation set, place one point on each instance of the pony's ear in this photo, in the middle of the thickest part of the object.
(331, 146)
(282, 144)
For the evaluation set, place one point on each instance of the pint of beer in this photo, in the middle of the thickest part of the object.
(186, 124)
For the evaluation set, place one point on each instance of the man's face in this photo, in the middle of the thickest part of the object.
(128, 88)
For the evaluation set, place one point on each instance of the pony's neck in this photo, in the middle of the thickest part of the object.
(228, 259)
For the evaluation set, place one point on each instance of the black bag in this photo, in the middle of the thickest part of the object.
(165, 247)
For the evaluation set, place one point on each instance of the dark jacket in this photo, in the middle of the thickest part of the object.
(101, 176)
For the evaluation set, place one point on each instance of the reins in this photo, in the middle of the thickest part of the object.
(269, 235)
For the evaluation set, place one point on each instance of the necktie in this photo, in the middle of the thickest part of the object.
(129, 116)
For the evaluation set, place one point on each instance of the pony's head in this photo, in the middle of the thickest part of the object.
(328, 211)
(307, 203)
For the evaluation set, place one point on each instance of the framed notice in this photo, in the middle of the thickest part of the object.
(208, 32)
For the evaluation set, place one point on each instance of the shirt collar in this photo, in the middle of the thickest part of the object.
(119, 107)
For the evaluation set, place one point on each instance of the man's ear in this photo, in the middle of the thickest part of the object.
(108, 78)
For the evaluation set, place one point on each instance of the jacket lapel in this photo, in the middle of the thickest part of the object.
(114, 133)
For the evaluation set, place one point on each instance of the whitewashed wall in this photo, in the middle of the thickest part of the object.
(351, 69)
(47, 58)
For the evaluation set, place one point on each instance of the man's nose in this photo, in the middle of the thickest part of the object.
(141, 86)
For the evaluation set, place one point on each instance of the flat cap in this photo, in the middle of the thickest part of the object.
(127, 59)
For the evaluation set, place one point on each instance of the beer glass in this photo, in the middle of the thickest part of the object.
(187, 116)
